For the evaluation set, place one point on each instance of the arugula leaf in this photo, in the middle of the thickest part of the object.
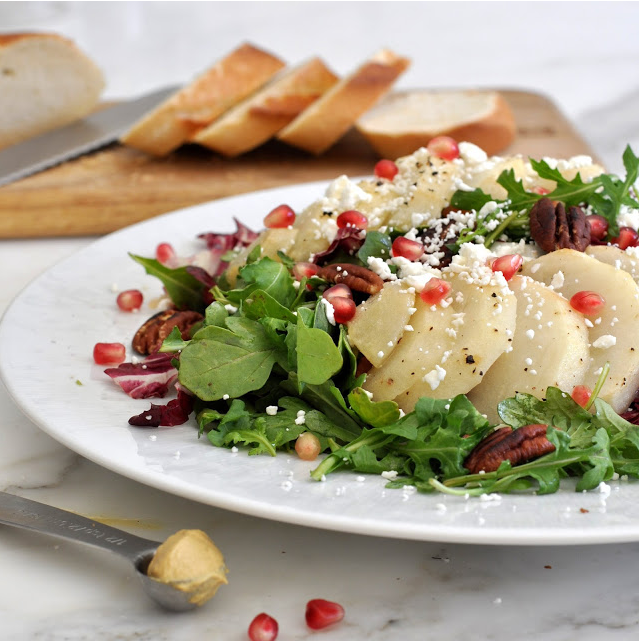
(376, 244)
(374, 413)
(318, 358)
(233, 360)
(185, 290)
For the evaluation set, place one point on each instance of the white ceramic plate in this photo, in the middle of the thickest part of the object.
(46, 342)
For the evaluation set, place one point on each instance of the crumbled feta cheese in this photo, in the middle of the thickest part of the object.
(434, 377)
(605, 341)
(271, 410)
(391, 475)
(329, 310)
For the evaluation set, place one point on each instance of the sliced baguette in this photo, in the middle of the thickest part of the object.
(45, 82)
(270, 109)
(228, 81)
(405, 121)
(328, 118)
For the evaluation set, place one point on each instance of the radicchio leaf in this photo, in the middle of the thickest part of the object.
(220, 244)
(150, 378)
(174, 413)
(348, 239)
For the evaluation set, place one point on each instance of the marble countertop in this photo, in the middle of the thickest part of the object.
(584, 56)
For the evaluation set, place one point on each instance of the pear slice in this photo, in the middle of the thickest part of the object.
(613, 333)
(549, 348)
(617, 258)
(450, 347)
(380, 321)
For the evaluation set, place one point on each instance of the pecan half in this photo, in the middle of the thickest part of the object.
(358, 278)
(554, 228)
(516, 446)
(154, 330)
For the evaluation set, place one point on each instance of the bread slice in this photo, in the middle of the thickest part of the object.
(266, 112)
(328, 118)
(45, 82)
(228, 81)
(405, 121)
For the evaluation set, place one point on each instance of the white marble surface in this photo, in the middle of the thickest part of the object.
(585, 56)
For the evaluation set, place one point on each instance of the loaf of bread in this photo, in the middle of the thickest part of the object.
(330, 117)
(45, 82)
(199, 103)
(260, 116)
(405, 121)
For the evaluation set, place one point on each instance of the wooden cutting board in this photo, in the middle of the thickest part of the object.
(117, 186)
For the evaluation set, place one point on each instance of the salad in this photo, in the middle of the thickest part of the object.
(456, 323)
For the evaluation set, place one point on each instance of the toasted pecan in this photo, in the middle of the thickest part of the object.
(516, 446)
(356, 277)
(149, 337)
(555, 228)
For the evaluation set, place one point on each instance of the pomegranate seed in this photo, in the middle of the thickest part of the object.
(581, 395)
(263, 627)
(435, 291)
(164, 253)
(508, 265)
(343, 309)
(322, 613)
(307, 446)
(386, 169)
(109, 354)
(627, 238)
(281, 216)
(444, 147)
(338, 290)
(130, 300)
(352, 218)
(406, 248)
(540, 190)
(598, 227)
(587, 302)
(304, 269)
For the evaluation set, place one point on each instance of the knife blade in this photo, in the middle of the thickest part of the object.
(80, 137)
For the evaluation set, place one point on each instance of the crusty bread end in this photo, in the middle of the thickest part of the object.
(192, 108)
(45, 82)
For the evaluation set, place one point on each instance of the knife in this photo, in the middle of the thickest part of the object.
(78, 138)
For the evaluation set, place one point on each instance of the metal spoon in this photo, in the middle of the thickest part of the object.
(25, 513)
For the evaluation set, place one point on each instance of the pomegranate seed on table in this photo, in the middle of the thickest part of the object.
(323, 613)
(307, 446)
(263, 627)
(352, 218)
(627, 238)
(130, 300)
(164, 253)
(598, 227)
(508, 265)
(343, 309)
(443, 147)
(109, 354)
(407, 248)
(435, 291)
(338, 290)
(581, 395)
(386, 169)
(587, 302)
(281, 216)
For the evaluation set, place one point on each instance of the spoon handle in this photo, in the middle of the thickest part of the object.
(25, 513)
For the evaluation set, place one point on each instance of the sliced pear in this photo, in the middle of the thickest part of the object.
(617, 258)
(613, 335)
(451, 347)
(485, 333)
(380, 321)
(549, 348)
